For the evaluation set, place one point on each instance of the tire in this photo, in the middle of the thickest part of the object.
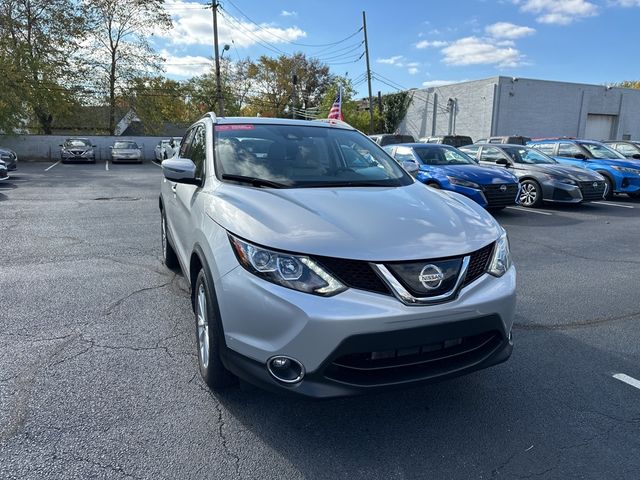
(433, 185)
(169, 257)
(209, 336)
(530, 194)
(610, 187)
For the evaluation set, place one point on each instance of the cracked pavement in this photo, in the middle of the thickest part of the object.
(99, 379)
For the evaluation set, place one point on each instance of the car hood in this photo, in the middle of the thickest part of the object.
(565, 171)
(373, 224)
(480, 174)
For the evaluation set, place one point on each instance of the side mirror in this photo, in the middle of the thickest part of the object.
(180, 170)
(111, 148)
(580, 156)
(504, 162)
(59, 144)
(410, 166)
(636, 156)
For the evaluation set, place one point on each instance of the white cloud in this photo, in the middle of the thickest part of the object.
(395, 60)
(192, 26)
(413, 70)
(559, 12)
(439, 83)
(509, 30)
(435, 44)
(187, 66)
(627, 3)
(477, 51)
(286, 13)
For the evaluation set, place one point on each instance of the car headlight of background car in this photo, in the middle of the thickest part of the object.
(463, 183)
(297, 272)
(567, 181)
(501, 259)
(634, 171)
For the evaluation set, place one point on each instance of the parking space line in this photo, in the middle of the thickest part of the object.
(528, 210)
(51, 166)
(157, 164)
(627, 379)
(106, 165)
(613, 204)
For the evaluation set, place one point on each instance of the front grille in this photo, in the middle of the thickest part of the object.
(498, 198)
(409, 275)
(354, 274)
(478, 264)
(421, 361)
(589, 192)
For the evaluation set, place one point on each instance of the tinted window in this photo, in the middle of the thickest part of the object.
(404, 154)
(305, 156)
(568, 150)
(395, 139)
(600, 151)
(443, 156)
(77, 142)
(627, 150)
(471, 150)
(546, 148)
(198, 149)
(491, 154)
(184, 146)
(527, 156)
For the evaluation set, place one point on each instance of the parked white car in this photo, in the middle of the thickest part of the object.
(167, 147)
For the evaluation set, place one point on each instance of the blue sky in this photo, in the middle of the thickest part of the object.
(418, 43)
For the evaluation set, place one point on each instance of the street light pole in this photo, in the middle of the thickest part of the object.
(220, 98)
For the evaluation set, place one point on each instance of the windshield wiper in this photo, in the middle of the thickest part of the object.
(256, 182)
(353, 183)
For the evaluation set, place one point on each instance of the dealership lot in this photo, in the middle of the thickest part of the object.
(98, 373)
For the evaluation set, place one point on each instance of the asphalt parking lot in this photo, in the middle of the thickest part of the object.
(99, 379)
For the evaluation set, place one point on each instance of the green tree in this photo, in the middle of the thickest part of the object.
(629, 84)
(119, 48)
(38, 40)
(394, 109)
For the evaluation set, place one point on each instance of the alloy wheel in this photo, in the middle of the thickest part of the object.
(528, 194)
(203, 326)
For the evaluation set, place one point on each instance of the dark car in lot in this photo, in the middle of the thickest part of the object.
(628, 148)
(621, 174)
(542, 178)
(453, 140)
(445, 167)
(77, 150)
(383, 139)
(9, 157)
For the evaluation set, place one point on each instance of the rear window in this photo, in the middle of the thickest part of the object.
(395, 139)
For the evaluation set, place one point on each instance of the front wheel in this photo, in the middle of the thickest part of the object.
(610, 187)
(530, 194)
(209, 336)
(433, 185)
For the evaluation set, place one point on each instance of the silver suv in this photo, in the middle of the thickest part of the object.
(319, 266)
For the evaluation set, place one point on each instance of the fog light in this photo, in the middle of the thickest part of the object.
(285, 369)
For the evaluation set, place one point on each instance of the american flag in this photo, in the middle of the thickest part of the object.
(336, 108)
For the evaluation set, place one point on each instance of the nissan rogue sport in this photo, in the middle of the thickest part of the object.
(319, 266)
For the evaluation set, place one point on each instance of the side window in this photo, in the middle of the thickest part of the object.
(186, 141)
(568, 150)
(547, 148)
(404, 154)
(491, 154)
(198, 150)
(471, 150)
(626, 150)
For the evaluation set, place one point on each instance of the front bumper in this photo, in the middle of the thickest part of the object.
(627, 184)
(329, 336)
(558, 192)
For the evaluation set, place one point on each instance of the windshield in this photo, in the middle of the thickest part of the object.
(600, 151)
(304, 156)
(127, 145)
(528, 156)
(443, 156)
(76, 142)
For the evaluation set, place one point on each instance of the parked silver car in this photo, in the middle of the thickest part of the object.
(126, 151)
(77, 149)
(9, 157)
(166, 148)
(324, 277)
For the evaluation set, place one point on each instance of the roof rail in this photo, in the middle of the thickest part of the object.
(334, 121)
(211, 115)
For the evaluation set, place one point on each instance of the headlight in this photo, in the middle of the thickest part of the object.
(463, 183)
(568, 181)
(634, 171)
(501, 260)
(291, 271)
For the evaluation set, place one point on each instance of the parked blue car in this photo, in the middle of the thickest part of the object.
(445, 167)
(621, 174)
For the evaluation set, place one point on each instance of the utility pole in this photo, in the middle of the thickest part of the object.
(366, 54)
(220, 98)
(380, 111)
